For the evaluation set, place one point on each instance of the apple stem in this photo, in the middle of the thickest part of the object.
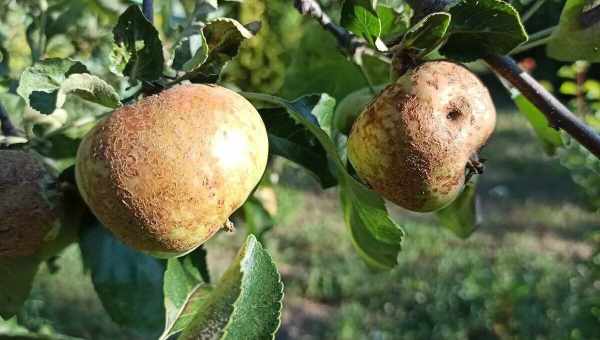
(474, 166)
(559, 116)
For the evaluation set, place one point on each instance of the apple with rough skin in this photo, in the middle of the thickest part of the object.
(413, 143)
(29, 204)
(165, 173)
(351, 106)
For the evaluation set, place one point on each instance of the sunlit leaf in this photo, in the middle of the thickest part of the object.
(360, 17)
(462, 216)
(573, 40)
(181, 280)
(246, 302)
(548, 136)
(376, 236)
(39, 84)
(482, 27)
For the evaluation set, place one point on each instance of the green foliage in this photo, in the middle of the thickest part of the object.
(550, 138)
(426, 35)
(377, 238)
(462, 216)
(573, 40)
(182, 279)
(585, 170)
(290, 139)
(39, 84)
(246, 302)
(138, 51)
(258, 220)
(319, 67)
(585, 93)
(223, 38)
(131, 288)
(261, 63)
(17, 279)
(351, 106)
(62, 98)
(481, 27)
(360, 17)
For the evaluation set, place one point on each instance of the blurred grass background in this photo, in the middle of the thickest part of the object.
(527, 273)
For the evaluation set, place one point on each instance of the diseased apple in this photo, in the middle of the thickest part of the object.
(351, 106)
(165, 174)
(413, 142)
(29, 204)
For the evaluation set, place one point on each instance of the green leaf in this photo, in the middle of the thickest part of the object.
(550, 138)
(246, 303)
(223, 39)
(568, 88)
(291, 140)
(257, 218)
(317, 66)
(573, 41)
(376, 237)
(182, 278)
(39, 84)
(14, 105)
(4, 60)
(427, 34)
(193, 304)
(351, 106)
(90, 88)
(361, 18)
(17, 279)
(584, 168)
(129, 283)
(138, 52)
(482, 27)
(462, 216)
(45, 85)
(191, 52)
(591, 87)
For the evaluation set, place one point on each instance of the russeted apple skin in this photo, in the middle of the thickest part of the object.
(412, 143)
(28, 210)
(166, 173)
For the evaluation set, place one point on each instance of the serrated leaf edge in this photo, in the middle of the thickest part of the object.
(251, 244)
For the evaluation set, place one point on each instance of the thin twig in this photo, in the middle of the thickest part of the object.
(148, 10)
(8, 129)
(350, 43)
(557, 114)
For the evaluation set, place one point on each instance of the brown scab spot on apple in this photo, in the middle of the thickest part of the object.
(424, 125)
(167, 188)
